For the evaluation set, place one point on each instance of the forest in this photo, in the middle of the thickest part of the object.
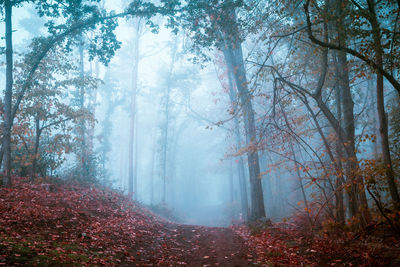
(200, 133)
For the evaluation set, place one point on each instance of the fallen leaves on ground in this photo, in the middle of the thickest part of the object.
(283, 245)
(72, 224)
(77, 225)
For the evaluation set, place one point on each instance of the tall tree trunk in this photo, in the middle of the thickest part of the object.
(135, 177)
(348, 126)
(375, 126)
(231, 189)
(383, 124)
(234, 58)
(152, 167)
(165, 136)
(340, 208)
(243, 189)
(135, 69)
(6, 146)
(92, 109)
(233, 55)
(357, 196)
(82, 123)
(240, 166)
(165, 129)
(165, 146)
(36, 148)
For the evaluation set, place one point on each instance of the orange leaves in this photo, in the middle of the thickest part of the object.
(285, 245)
(97, 226)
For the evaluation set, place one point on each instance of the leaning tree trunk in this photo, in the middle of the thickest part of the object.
(6, 146)
(235, 63)
(240, 169)
(383, 124)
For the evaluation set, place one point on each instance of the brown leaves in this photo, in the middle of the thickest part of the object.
(74, 224)
(283, 245)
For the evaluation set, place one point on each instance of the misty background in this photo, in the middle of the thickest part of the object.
(167, 132)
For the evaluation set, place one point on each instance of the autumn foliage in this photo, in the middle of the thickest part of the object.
(51, 224)
(283, 244)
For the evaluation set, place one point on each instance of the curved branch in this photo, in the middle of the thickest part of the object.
(350, 51)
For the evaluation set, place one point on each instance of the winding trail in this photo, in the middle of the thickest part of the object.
(189, 245)
(210, 246)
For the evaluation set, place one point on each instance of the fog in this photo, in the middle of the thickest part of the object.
(199, 132)
(170, 132)
(194, 149)
(175, 115)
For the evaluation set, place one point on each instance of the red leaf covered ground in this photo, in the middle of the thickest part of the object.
(74, 225)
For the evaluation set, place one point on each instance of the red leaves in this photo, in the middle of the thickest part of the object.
(79, 225)
(74, 224)
(283, 245)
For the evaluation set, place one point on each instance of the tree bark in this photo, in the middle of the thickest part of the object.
(340, 211)
(234, 59)
(383, 124)
(231, 190)
(84, 173)
(36, 148)
(165, 131)
(132, 183)
(392, 80)
(240, 166)
(6, 146)
(357, 197)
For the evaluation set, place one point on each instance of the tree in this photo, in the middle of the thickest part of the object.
(132, 178)
(215, 25)
(366, 12)
(165, 126)
(47, 114)
(230, 87)
(66, 20)
(6, 144)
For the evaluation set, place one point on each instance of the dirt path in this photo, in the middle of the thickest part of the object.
(205, 246)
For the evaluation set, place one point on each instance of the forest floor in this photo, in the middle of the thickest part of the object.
(208, 246)
(47, 224)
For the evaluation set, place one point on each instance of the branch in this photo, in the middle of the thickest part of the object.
(59, 121)
(290, 33)
(350, 51)
(74, 30)
(52, 42)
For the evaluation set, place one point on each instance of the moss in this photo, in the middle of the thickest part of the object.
(21, 253)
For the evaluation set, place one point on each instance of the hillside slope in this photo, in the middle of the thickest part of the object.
(76, 225)
(48, 224)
